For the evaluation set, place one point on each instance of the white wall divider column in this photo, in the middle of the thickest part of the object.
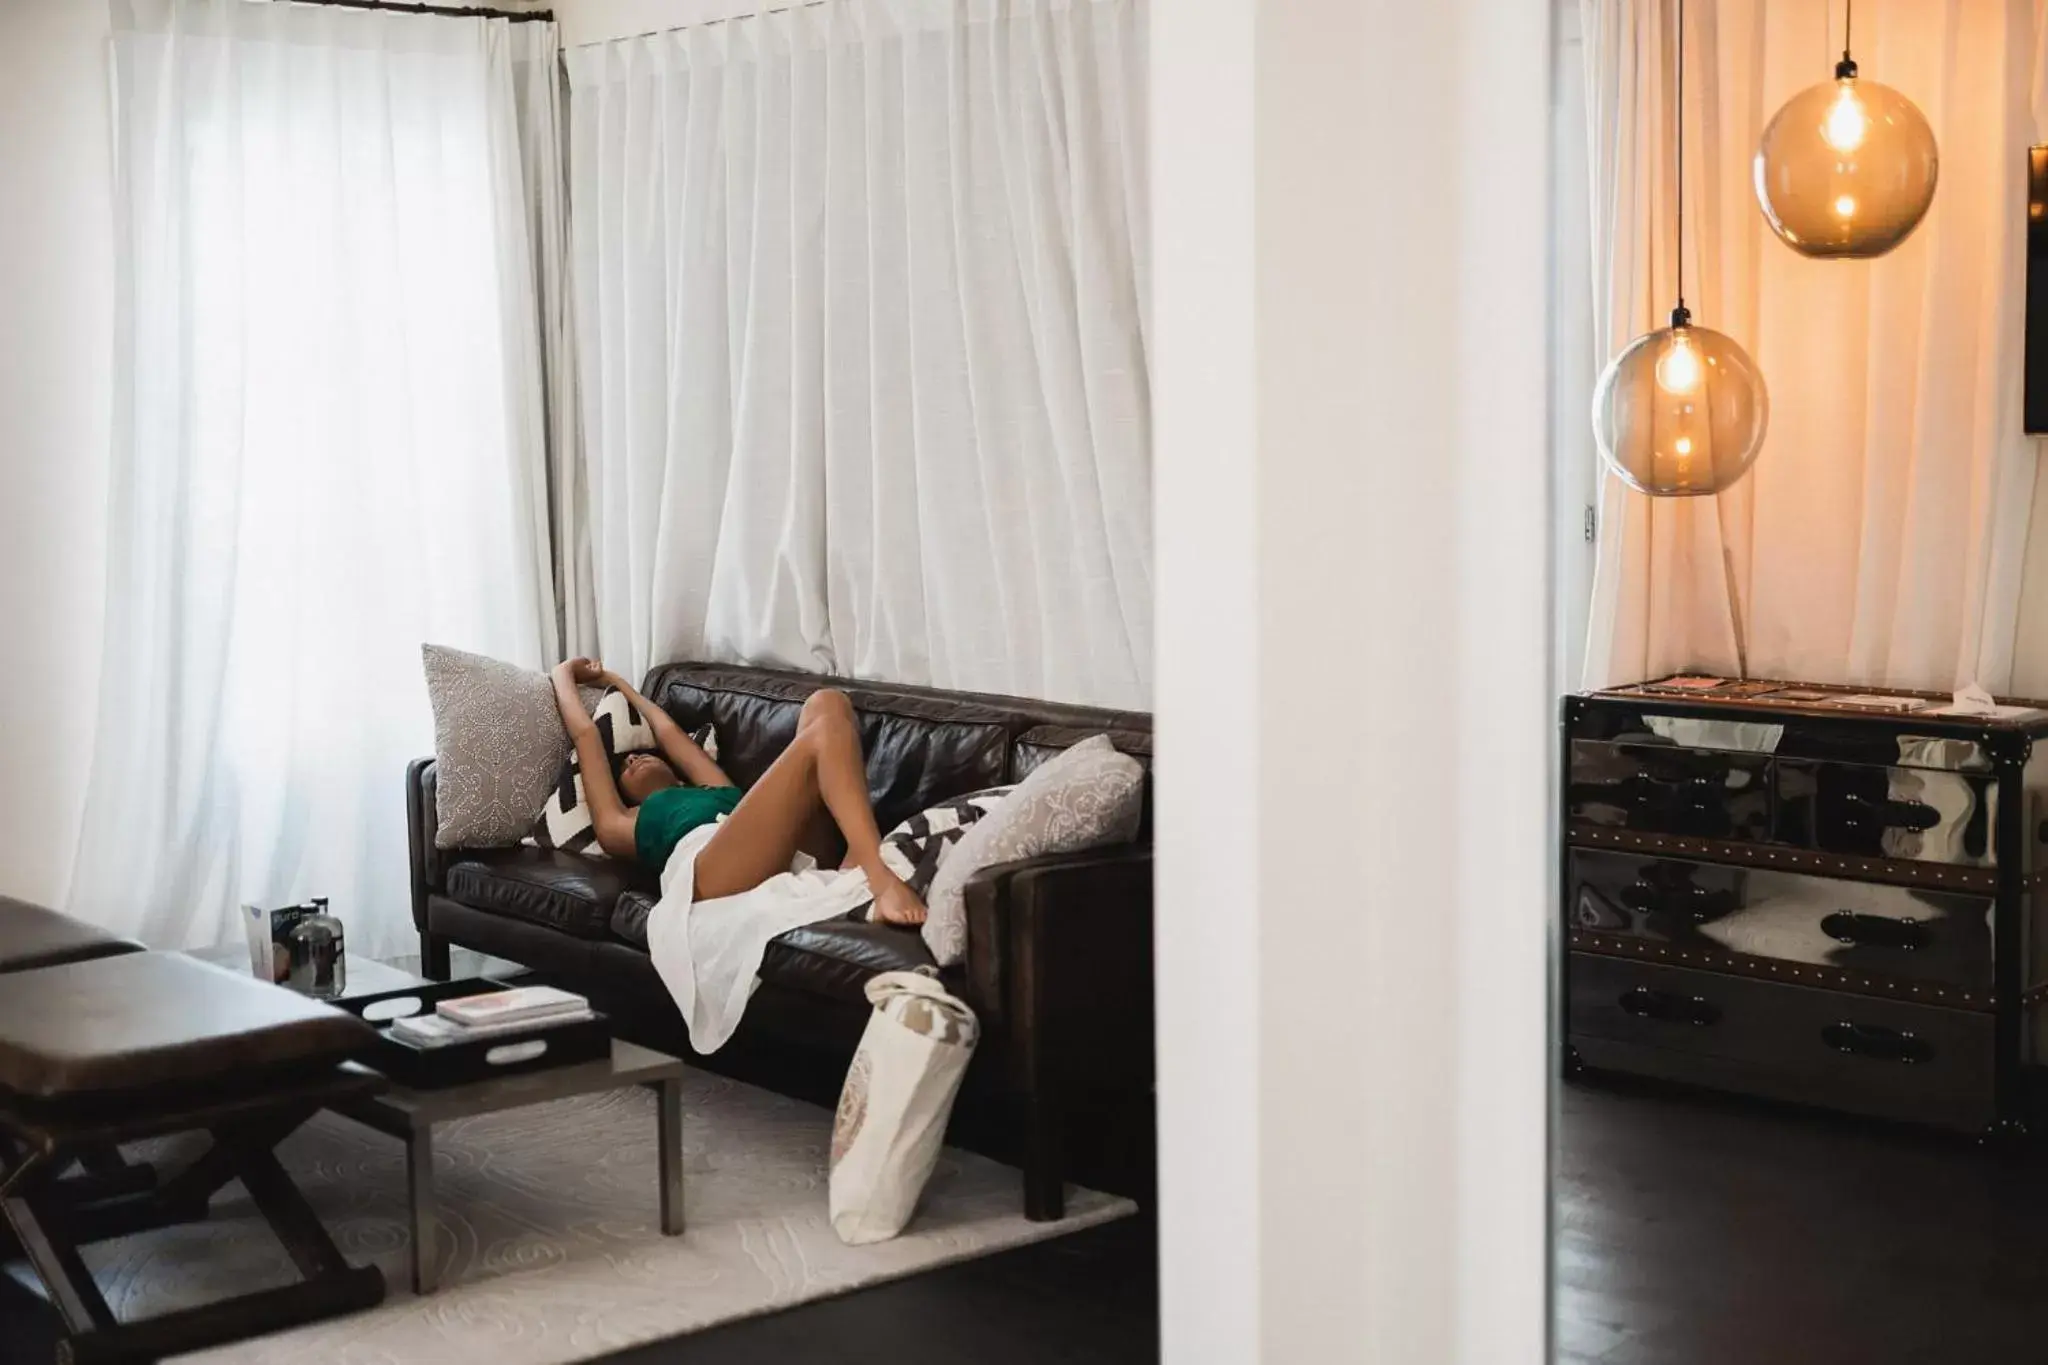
(1353, 526)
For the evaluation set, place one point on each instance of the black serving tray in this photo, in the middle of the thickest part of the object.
(539, 1048)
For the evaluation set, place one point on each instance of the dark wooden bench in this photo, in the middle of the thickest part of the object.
(108, 1045)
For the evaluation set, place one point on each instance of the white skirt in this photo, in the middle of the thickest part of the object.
(708, 952)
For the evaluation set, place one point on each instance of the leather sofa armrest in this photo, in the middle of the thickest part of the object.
(1059, 948)
(422, 821)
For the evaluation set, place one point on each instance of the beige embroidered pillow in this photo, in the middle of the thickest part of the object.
(1087, 797)
(498, 746)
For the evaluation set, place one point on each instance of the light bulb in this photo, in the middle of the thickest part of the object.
(1678, 369)
(1846, 122)
(1845, 206)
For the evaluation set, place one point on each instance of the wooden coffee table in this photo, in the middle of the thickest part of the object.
(410, 1116)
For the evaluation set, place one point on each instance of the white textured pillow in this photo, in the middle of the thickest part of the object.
(498, 744)
(1087, 797)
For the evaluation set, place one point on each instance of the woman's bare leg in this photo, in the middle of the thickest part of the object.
(822, 768)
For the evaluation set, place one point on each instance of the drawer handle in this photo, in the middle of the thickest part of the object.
(1910, 815)
(1668, 888)
(1669, 1008)
(1875, 931)
(1877, 1042)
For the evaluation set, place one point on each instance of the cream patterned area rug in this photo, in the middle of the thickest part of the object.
(557, 1253)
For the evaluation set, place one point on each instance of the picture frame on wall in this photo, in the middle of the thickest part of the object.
(2035, 401)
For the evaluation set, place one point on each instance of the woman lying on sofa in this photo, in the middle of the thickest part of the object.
(813, 799)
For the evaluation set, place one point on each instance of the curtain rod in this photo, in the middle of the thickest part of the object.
(517, 16)
(771, 7)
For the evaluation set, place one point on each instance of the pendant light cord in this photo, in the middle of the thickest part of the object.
(1679, 316)
(1845, 69)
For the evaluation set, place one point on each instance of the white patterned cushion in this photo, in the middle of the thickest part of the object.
(1087, 797)
(915, 849)
(565, 821)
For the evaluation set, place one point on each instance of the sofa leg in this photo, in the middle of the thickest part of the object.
(1045, 1190)
(433, 956)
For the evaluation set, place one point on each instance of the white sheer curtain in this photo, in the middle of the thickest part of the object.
(328, 448)
(538, 103)
(861, 321)
(1880, 537)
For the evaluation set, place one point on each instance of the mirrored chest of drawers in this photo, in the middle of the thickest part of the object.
(1809, 900)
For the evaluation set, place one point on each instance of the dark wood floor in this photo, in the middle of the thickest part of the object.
(1088, 1299)
(1692, 1231)
(1709, 1231)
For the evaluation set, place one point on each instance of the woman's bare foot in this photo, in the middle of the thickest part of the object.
(896, 903)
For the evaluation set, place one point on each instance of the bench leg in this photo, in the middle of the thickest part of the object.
(55, 1260)
(52, 1217)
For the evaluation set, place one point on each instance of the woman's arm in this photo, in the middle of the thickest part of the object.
(695, 765)
(611, 820)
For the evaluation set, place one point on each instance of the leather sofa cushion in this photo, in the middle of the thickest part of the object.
(838, 957)
(629, 918)
(31, 937)
(563, 891)
(145, 1021)
(920, 748)
(915, 762)
(834, 958)
(1042, 742)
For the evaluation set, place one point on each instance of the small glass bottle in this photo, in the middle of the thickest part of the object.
(319, 954)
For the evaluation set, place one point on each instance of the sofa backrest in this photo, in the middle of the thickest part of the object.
(923, 744)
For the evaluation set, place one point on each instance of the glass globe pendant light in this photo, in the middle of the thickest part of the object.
(1847, 168)
(1681, 411)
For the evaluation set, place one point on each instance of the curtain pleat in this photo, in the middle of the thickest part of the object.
(860, 319)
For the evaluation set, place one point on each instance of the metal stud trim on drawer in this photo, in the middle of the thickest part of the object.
(1770, 969)
(1895, 871)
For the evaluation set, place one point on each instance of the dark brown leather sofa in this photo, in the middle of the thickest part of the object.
(1059, 963)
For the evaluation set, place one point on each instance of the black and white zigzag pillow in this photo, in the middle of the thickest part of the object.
(914, 849)
(565, 822)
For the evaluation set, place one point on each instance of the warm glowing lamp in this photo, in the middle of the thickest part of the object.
(1682, 410)
(1847, 168)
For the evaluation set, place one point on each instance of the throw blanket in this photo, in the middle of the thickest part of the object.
(708, 952)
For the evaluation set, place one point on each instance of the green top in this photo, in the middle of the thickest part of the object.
(672, 812)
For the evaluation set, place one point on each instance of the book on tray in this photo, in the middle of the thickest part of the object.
(469, 1018)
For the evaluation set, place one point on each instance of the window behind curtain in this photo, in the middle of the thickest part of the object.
(327, 449)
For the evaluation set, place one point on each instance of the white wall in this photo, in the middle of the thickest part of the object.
(1352, 515)
(56, 335)
(1574, 368)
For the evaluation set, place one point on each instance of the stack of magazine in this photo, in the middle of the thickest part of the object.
(470, 1018)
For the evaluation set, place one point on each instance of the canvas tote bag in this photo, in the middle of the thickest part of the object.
(892, 1113)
